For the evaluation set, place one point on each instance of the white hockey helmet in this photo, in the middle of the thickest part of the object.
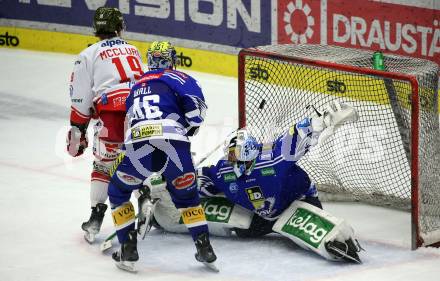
(241, 150)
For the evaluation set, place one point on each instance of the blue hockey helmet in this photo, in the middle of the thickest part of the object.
(161, 54)
(241, 150)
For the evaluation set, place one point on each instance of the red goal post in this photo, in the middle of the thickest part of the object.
(277, 82)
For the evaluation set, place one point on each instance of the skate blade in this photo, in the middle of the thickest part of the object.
(347, 257)
(127, 266)
(211, 266)
(89, 237)
(106, 245)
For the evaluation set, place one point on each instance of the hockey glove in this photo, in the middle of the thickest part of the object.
(334, 116)
(76, 141)
(192, 131)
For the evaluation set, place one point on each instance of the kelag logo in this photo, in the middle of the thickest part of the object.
(183, 60)
(257, 72)
(9, 40)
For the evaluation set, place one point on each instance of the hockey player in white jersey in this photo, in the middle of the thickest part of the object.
(99, 85)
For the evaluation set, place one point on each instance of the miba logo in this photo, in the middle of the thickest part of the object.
(294, 15)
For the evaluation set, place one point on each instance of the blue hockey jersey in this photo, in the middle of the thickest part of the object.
(273, 184)
(164, 104)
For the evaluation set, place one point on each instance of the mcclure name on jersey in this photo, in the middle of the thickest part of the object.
(115, 52)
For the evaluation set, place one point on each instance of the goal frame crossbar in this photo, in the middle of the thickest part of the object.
(417, 240)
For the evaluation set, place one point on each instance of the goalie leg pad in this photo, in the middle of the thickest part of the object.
(314, 229)
(222, 216)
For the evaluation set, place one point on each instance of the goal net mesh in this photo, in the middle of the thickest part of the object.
(369, 160)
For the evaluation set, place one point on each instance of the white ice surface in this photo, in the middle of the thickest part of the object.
(45, 198)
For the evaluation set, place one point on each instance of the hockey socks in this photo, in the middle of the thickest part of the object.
(195, 220)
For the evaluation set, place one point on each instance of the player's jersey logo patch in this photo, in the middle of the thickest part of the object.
(233, 187)
(268, 171)
(256, 197)
(184, 181)
(229, 177)
(146, 131)
(128, 179)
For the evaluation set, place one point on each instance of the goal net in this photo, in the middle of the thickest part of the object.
(390, 157)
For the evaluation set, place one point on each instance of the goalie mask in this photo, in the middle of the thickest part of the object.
(161, 55)
(108, 21)
(241, 150)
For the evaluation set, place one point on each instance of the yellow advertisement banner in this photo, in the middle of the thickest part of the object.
(71, 43)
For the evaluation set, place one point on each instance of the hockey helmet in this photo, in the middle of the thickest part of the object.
(241, 150)
(161, 54)
(108, 21)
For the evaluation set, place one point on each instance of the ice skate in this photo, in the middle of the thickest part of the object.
(205, 254)
(127, 255)
(93, 225)
(347, 251)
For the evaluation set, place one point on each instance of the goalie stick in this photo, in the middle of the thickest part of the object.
(107, 243)
(207, 155)
(197, 164)
(142, 229)
(144, 218)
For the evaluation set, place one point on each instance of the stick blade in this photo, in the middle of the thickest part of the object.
(107, 244)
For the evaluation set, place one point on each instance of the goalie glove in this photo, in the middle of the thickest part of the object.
(335, 115)
(76, 141)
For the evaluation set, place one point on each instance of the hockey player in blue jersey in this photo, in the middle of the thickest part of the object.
(164, 108)
(265, 180)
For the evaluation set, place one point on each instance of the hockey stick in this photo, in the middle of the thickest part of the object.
(207, 155)
(107, 244)
(141, 229)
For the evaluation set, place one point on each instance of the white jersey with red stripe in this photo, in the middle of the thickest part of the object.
(98, 68)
